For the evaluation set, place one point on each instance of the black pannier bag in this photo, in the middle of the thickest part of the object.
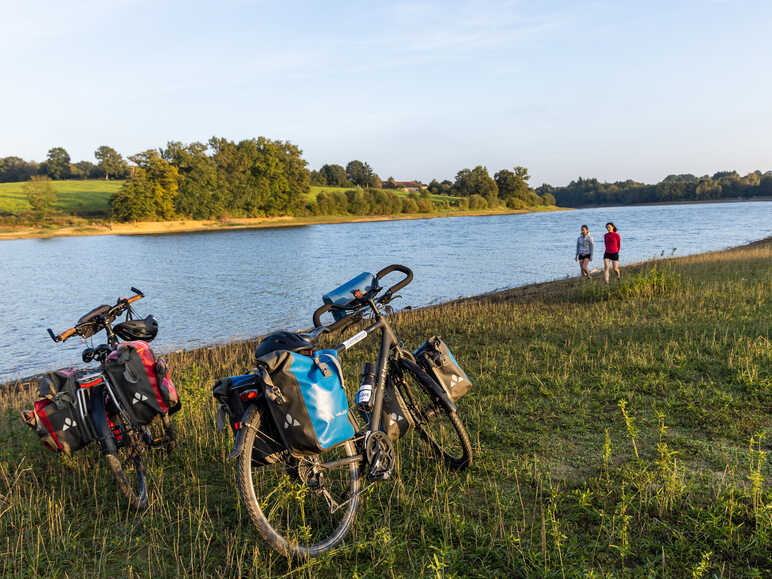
(307, 400)
(59, 381)
(57, 423)
(435, 357)
(268, 447)
(141, 381)
(396, 421)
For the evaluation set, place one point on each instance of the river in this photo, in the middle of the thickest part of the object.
(218, 286)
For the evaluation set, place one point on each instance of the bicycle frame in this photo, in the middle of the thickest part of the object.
(388, 341)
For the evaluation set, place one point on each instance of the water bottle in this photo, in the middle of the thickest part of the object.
(364, 396)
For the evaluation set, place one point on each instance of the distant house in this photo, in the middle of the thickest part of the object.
(410, 186)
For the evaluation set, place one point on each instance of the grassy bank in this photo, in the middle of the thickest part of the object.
(618, 431)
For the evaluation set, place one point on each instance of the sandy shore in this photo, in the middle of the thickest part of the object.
(192, 225)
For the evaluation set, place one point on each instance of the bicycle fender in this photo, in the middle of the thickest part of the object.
(237, 445)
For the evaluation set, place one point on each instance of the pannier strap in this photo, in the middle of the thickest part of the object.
(322, 366)
(272, 393)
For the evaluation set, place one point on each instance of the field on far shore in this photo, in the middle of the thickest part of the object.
(618, 431)
(75, 196)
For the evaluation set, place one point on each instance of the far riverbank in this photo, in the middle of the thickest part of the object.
(192, 225)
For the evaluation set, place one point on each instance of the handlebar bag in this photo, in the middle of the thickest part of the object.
(306, 398)
(347, 293)
(57, 424)
(141, 381)
(268, 447)
(435, 357)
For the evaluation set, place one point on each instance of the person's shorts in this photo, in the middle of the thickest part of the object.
(581, 257)
(611, 256)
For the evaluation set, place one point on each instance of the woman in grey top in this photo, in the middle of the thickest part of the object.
(584, 247)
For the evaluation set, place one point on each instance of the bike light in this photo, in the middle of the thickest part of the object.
(251, 395)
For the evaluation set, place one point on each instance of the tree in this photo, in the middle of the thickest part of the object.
(362, 174)
(110, 161)
(334, 176)
(84, 170)
(476, 182)
(513, 184)
(40, 194)
(16, 169)
(151, 191)
(58, 163)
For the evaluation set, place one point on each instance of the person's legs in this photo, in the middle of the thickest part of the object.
(616, 269)
(606, 268)
(585, 268)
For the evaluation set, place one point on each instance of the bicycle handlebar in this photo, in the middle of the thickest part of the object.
(119, 307)
(356, 304)
(399, 285)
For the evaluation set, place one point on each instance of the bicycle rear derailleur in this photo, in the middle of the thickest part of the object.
(380, 455)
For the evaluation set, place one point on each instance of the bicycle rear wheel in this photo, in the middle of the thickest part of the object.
(299, 508)
(441, 428)
(126, 464)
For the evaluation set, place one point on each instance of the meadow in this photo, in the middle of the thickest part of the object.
(74, 196)
(617, 431)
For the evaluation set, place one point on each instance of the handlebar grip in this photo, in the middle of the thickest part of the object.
(137, 291)
(63, 336)
(396, 267)
(318, 314)
(67, 333)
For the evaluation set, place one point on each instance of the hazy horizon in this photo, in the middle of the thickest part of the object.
(416, 89)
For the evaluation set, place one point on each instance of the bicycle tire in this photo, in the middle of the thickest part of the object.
(438, 426)
(129, 471)
(275, 497)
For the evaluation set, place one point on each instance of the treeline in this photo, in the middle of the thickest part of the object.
(58, 165)
(251, 178)
(683, 187)
(263, 178)
(506, 188)
(476, 187)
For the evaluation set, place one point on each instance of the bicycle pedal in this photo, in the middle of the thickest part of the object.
(379, 474)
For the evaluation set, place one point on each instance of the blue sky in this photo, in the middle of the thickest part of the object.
(417, 89)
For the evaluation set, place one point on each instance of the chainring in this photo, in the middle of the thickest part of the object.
(380, 455)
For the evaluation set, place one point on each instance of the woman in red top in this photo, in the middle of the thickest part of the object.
(613, 244)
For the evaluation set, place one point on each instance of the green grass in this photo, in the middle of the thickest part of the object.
(620, 431)
(74, 196)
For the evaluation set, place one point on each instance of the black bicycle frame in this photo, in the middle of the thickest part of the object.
(388, 340)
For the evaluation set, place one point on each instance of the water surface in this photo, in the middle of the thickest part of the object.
(216, 286)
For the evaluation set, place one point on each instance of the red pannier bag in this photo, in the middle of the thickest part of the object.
(141, 381)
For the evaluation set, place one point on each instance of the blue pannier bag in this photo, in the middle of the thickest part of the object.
(347, 293)
(306, 398)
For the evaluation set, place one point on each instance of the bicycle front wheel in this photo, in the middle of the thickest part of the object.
(301, 508)
(440, 427)
(126, 465)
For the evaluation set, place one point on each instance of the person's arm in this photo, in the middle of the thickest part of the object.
(578, 241)
(619, 241)
(592, 246)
